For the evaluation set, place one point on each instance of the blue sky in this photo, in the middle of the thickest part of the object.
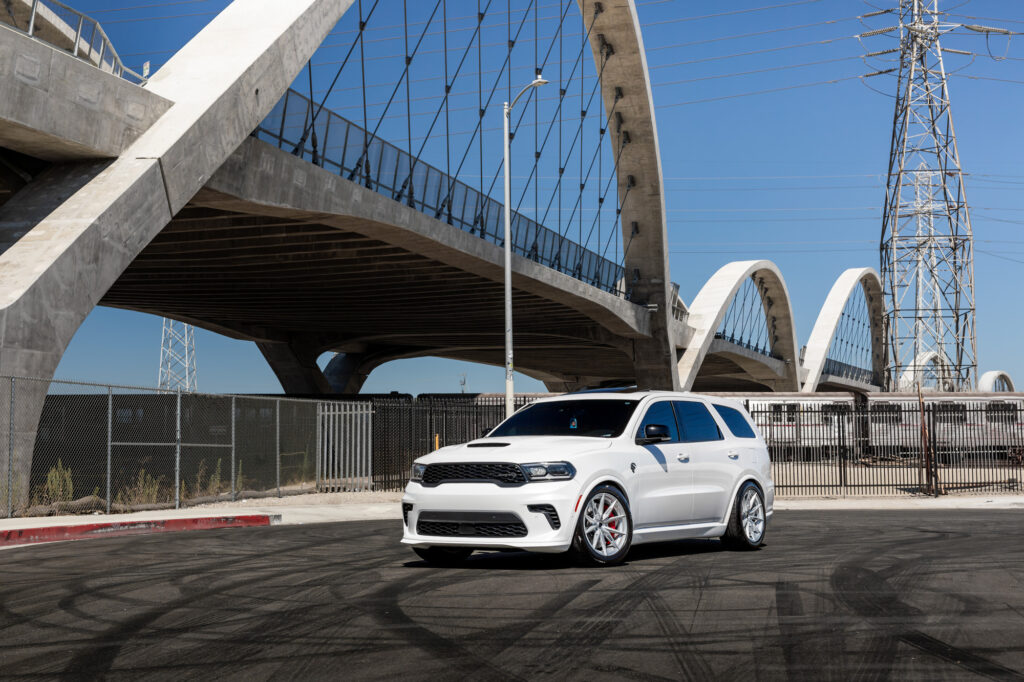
(772, 147)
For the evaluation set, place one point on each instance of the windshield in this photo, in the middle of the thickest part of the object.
(593, 418)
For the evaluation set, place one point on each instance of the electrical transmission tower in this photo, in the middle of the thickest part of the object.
(178, 357)
(927, 247)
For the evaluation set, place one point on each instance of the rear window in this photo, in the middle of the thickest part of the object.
(736, 422)
(593, 418)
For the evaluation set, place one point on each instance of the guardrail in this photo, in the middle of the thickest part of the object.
(67, 29)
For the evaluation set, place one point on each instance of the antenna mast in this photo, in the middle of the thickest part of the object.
(178, 357)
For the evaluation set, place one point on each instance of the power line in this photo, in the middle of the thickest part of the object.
(135, 7)
(755, 92)
(749, 53)
(163, 18)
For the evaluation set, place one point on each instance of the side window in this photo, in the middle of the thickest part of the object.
(735, 421)
(660, 413)
(696, 422)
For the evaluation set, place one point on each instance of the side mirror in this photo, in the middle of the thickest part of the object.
(654, 433)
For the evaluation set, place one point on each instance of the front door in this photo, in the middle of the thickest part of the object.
(663, 474)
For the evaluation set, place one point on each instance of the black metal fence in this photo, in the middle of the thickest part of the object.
(894, 448)
(404, 429)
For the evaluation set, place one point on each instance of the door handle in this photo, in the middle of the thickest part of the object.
(683, 458)
(733, 454)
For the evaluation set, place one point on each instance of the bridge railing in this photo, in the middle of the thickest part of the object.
(350, 151)
(844, 370)
(67, 29)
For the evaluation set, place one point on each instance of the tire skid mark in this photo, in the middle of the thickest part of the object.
(872, 596)
(543, 613)
(385, 607)
(97, 660)
(689, 662)
(573, 650)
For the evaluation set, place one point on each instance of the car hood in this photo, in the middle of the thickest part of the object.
(519, 449)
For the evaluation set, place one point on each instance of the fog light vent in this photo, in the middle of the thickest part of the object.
(549, 512)
(406, 508)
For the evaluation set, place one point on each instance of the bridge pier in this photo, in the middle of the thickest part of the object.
(346, 372)
(294, 364)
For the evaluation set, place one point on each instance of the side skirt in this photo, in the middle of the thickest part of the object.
(679, 532)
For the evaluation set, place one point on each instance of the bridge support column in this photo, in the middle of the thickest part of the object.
(295, 366)
(346, 372)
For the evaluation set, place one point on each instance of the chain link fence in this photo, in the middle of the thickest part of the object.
(116, 449)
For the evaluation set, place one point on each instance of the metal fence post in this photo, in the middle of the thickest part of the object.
(233, 492)
(277, 440)
(177, 453)
(32, 17)
(110, 430)
(843, 482)
(10, 458)
(316, 456)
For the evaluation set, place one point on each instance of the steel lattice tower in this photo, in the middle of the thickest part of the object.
(927, 246)
(178, 357)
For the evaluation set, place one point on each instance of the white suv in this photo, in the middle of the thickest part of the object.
(595, 473)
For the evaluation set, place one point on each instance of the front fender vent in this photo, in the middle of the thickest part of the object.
(549, 512)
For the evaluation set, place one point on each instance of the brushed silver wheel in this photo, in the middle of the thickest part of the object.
(752, 516)
(605, 524)
(748, 521)
(604, 530)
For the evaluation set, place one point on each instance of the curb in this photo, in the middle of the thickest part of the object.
(89, 531)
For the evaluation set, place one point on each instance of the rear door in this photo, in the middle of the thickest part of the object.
(664, 481)
(715, 463)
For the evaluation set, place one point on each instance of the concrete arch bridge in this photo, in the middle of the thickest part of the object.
(333, 185)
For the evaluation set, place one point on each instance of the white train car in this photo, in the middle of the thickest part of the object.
(801, 426)
(960, 424)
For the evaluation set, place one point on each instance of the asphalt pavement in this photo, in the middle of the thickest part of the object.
(857, 594)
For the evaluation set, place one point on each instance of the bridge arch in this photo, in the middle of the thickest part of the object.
(930, 370)
(996, 381)
(710, 307)
(834, 340)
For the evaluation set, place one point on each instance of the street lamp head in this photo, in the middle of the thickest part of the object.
(537, 82)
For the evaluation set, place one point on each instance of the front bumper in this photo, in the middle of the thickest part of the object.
(460, 499)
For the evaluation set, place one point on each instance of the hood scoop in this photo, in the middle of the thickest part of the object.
(487, 445)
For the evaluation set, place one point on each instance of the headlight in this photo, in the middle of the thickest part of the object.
(549, 471)
(417, 472)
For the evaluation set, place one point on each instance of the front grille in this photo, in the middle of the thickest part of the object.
(548, 511)
(470, 524)
(450, 529)
(501, 473)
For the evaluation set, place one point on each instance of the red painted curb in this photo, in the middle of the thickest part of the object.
(88, 531)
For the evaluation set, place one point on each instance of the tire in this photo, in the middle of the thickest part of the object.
(606, 542)
(443, 556)
(748, 522)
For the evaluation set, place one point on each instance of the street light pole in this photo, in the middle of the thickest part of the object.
(509, 394)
